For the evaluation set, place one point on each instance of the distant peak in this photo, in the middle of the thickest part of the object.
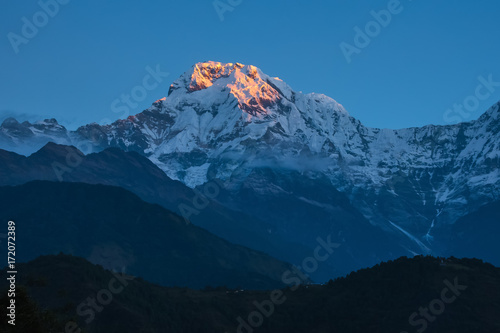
(254, 90)
(53, 148)
(10, 121)
(46, 122)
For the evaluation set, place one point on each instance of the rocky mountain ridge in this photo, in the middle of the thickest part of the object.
(229, 120)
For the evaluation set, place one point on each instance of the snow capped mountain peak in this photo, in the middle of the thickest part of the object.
(205, 74)
(26, 137)
(226, 119)
(229, 108)
(255, 92)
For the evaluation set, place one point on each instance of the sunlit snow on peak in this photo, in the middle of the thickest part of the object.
(246, 83)
(160, 100)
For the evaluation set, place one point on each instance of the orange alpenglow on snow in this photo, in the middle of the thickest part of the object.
(160, 100)
(253, 93)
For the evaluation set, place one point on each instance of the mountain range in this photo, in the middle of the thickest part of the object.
(293, 167)
(362, 244)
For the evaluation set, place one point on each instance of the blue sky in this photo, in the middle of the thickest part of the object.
(426, 59)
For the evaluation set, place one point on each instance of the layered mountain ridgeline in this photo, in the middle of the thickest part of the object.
(406, 295)
(476, 234)
(298, 210)
(235, 123)
(139, 175)
(113, 227)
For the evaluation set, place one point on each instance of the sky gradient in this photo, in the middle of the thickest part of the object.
(426, 59)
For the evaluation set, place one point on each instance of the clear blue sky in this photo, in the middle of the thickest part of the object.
(425, 60)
